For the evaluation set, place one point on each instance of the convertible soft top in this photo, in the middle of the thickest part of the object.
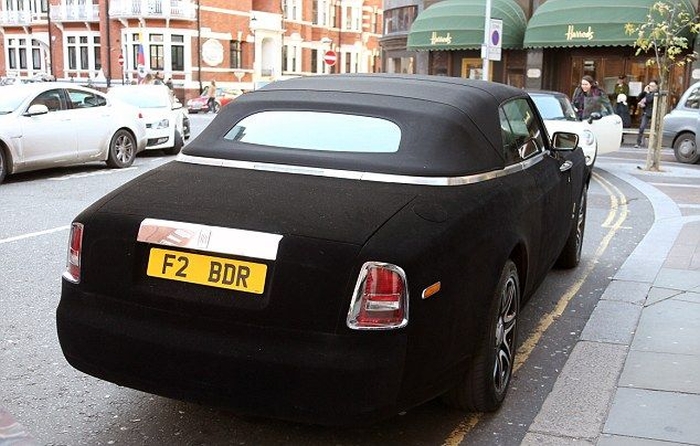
(449, 126)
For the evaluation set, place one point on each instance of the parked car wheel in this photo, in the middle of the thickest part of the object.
(571, 254)
(3, 165)
(174, 150)
(122, 150)
(685, 149)
(485, 384)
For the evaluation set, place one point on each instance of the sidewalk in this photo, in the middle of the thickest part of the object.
(634, 376)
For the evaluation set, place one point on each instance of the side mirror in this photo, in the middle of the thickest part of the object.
(564, 141)
(37, 109)
(594, 117)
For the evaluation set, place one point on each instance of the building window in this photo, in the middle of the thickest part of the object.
(98, 54)
(72, 58)
(284, 58)
(83, 52)
(177, 52)
(12, 50)
(291, 10)
(84, 62)
(399, 20)
(36, 55)
(156, 53)
(235, 54)
(314, 61)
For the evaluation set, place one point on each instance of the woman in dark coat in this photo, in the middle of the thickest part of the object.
(587, 98)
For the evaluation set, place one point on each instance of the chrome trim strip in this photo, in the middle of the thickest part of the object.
(364, 176)
(215, 239)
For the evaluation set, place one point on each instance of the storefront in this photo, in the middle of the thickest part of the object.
(569, 39)
(452, 31)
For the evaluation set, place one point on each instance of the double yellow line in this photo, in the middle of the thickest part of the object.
(613, 222)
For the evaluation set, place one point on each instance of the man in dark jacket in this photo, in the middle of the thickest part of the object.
(645, 100)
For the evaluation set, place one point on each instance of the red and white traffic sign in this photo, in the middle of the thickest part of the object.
(330, 57)
(120, 59)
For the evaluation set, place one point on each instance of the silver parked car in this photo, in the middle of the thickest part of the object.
(49, 124)
(681, 126)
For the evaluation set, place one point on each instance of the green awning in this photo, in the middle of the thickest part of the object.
(586, 23)
(459, 24)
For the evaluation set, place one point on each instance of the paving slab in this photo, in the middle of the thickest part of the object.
(626, 291)
(669, 372)
(669, 326)
(657, 294)
(690, 296)
(577, 405)
(616, 440)
(678, 279)
(654, 415)
(599, 329)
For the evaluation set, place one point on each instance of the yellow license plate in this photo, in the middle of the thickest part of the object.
(213, 271)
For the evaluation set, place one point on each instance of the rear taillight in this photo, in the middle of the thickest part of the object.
(75, 250)
(380, 300)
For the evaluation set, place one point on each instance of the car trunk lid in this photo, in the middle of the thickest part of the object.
(302, 233)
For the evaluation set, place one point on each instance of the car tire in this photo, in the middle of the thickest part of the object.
(570, 256)
(3, 165)
(685, 149)
(484, 385)
(122, 150)
(174, 150)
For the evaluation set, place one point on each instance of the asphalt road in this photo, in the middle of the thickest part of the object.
(61, 406)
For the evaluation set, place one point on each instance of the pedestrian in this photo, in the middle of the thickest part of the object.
(621, 87)
(623, 110)
(211, 94)
(588, 98)
(148, 79)
(645, 101)
(169, 83)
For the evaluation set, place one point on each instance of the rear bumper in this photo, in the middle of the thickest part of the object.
(294, 375)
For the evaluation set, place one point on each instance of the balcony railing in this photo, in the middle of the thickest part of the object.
(165, 9)
(20, 18)
(67, 11)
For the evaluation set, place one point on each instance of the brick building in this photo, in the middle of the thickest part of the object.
(240, 43)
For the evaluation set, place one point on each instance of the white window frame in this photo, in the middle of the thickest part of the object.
(91, 46)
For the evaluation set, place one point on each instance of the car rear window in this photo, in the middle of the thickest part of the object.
(318, 131)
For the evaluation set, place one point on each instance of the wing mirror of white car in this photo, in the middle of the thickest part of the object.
(594, 117)
(177, 105)
(564, 141)
(37, 109)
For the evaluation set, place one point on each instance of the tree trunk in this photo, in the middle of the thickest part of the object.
(660, 105)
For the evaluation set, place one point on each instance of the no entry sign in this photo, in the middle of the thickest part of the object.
(330, 57)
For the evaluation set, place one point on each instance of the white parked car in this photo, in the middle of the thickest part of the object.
(165, 116)
(602, 133)
(49, 124)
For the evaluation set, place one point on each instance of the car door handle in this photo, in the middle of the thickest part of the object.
(566, 166)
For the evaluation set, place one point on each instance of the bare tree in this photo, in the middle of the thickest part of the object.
(665, 38)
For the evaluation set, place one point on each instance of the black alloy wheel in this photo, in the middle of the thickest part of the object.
(485, 384)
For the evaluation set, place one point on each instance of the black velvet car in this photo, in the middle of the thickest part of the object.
(332, 249)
